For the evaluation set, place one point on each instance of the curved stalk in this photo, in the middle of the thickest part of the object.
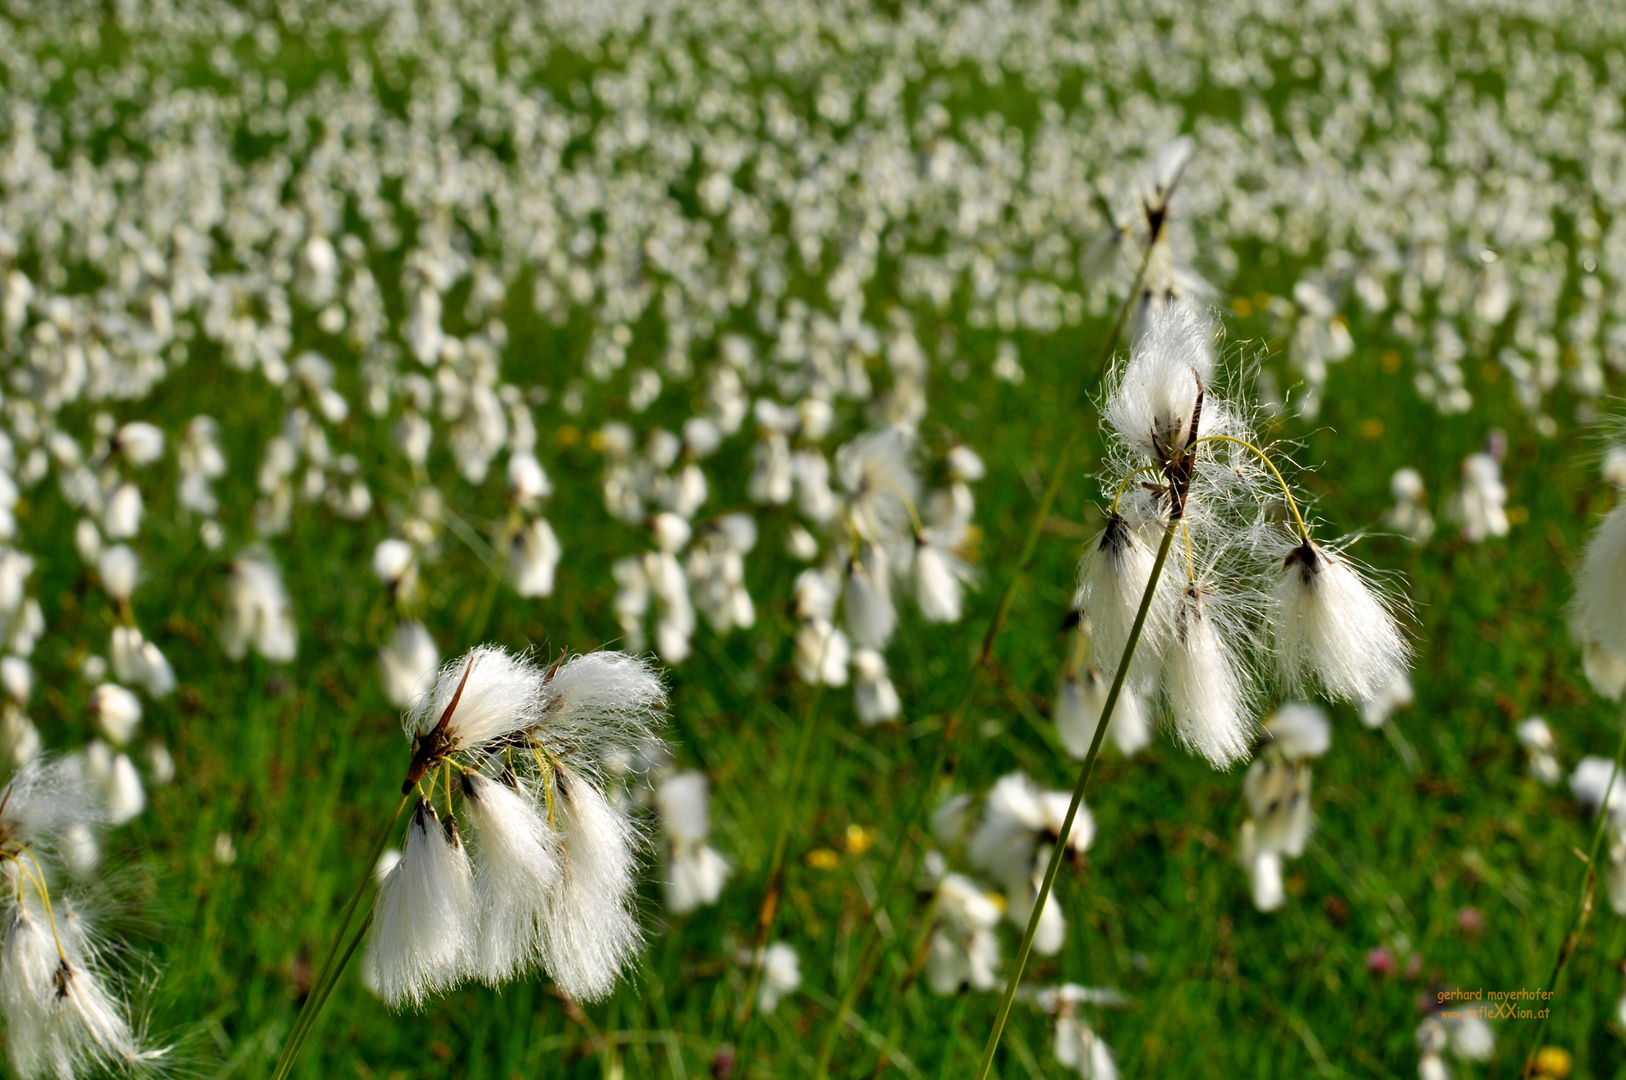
(1583, 904)
(1058, 476)
(1060, 847)
(1292, 504)
(951, 729)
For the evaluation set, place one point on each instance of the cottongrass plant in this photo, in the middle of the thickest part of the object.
(1185, 470)
(518, 759)
(60, 1000)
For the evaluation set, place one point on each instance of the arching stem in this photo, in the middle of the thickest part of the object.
(1292, 504)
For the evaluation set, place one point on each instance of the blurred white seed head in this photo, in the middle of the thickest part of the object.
(258, 612)
(781, 975)
(406, 664)
(1596, 614)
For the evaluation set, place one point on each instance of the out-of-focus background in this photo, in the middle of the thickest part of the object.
(354, 259)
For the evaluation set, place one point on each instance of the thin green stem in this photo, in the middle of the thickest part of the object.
(326, 974)
(320, 998)
(1583, 904)
(1060, 847)
(1030, 544)
(951, 729)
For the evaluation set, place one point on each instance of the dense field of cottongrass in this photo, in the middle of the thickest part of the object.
(959, 539)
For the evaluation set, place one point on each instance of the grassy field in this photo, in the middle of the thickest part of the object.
(299, 767)
(299, 764)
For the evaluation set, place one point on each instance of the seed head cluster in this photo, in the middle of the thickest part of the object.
(530, 861)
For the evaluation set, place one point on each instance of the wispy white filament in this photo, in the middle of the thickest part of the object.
(1203, 685)
(591, 932)
(515, 869)
(425, 932)
(1332, 628)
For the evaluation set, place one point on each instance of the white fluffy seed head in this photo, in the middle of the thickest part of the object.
(141, 443)
(424, 930)
(121, 513)
(502, 696)
(781, 975)
(870, 614)
(1540, 743)
(1112, 580)
(407, 663)
(527, 482)
(1590, 783)
(392, 559)
(1204, 684)
(1604, 670)
(600, 706)
(1378, 708)
(1333, 629)
(28, 964)
(516, 866)
(258, 612)
(878, 476)
(154, 671)
(1598, 613)
(694, 877)
(940, 578)
(1078, 710)
(533, 559)
(684, 803)
(591, 931)
(1278, 796)
(874, 696)
(822, 653)
(1082, 833)
(1298, 730)
(1154, 397)
(62, 1018)
(117, 711)
(1265, 878)
(120, 569)
(1012, 820)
